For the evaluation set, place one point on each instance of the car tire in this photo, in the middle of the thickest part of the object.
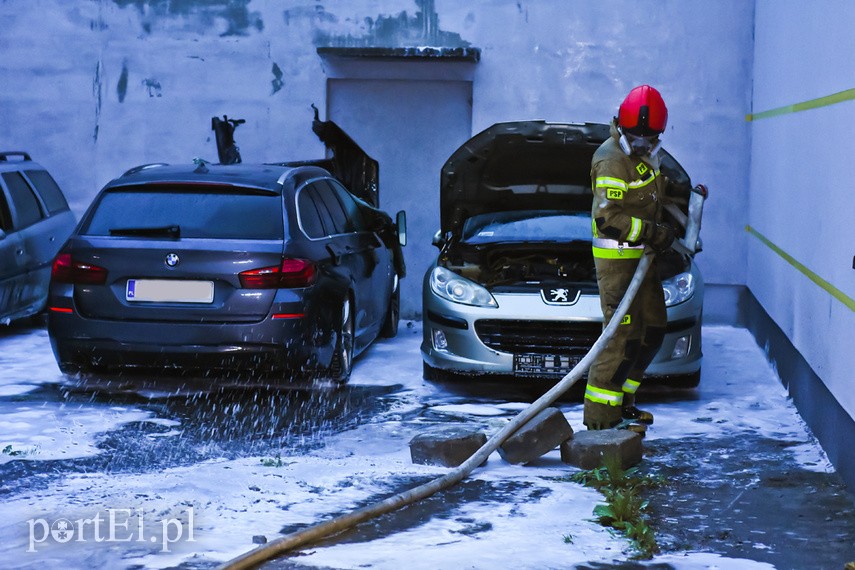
(342, 360)
(393, 315)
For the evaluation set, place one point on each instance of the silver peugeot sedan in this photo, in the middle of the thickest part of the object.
(513, 291)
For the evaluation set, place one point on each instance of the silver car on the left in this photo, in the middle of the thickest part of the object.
(35, 221)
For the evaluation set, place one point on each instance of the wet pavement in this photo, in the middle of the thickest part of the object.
(744, 497)
(746, 486)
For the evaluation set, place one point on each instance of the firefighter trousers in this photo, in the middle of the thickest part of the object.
(617, 372)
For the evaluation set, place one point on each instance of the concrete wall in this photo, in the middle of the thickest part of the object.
(575, 61)
(801, 195)
(93, 88)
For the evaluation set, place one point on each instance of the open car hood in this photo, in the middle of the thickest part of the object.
(347, 162)
(530, 165)
(526, 165)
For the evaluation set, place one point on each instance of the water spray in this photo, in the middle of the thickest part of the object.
(339, 524)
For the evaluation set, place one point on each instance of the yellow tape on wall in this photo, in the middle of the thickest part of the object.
(835, 292)
(805, 105)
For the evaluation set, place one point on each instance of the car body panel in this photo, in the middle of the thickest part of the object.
(13, 275)
(29, 242)
(468, 354)
(136, 259)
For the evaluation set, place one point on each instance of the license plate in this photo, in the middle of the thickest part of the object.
(544, 364)
(169, 291)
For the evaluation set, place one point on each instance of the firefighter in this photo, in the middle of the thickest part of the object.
(626, 217)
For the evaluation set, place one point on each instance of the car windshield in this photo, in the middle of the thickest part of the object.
(531, 225)
(195, 213)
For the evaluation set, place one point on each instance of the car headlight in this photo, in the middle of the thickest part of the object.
(451, 286)
(678, 289)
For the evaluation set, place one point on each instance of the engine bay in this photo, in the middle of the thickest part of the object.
(503, 265)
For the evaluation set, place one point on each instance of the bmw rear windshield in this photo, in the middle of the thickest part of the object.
(187, 211)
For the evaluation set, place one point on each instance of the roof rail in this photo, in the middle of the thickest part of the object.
(142, 167)
(4, 156)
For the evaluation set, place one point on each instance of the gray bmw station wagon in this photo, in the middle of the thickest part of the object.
(250, 269)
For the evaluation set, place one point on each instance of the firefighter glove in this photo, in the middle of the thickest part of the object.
(661, 237)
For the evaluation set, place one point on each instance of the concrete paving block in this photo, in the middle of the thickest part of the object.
(448, 447)
(588, 448)
(543, 433)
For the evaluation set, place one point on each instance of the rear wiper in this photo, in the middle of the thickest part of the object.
(165, 231)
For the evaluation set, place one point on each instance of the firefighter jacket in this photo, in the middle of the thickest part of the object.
(627, 200)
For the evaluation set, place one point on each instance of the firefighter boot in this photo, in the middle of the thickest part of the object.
(634, 414)
(632, 425)
(627, 424)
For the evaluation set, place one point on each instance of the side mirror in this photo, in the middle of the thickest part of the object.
(2, 235)
(438, 239)
(401, 222)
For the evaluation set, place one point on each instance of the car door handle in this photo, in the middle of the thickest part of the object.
(19, 251)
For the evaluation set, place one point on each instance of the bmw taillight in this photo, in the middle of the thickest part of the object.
(291, 273)
(68, 270)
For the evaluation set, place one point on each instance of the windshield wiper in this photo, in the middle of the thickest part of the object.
(164, 231)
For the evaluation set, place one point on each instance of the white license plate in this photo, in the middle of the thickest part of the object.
(169, 291)
(544, 364)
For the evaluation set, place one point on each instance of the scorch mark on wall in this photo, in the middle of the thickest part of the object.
(277, 78)
(402, 30)
(96, 92)
(199, 16)
(122, 85)
(316, 13)
(153, 87)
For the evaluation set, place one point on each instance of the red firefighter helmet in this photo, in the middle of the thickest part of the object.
(643, 112)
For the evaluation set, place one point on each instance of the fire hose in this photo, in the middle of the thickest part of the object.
(344, 522)
(689, 244)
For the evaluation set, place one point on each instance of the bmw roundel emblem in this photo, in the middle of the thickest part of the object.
(172, 259)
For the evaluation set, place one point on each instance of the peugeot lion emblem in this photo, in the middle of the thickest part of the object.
(560, 295)
(172, 259)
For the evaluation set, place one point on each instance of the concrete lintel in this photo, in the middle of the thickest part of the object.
(466, 54)
(371, 63)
